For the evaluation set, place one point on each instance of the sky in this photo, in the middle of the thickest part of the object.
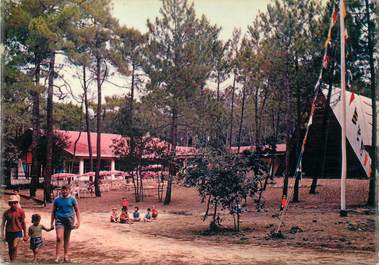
(228, 14)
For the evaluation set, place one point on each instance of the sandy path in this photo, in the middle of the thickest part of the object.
(99, 241)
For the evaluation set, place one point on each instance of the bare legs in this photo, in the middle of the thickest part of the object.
(12, 249)
(67, 233)
(63, 238)
(35, 253)
(59, 233)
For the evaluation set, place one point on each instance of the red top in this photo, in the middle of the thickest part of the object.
(284, 202)
(125, 203)
(154, 212)
(14, 219)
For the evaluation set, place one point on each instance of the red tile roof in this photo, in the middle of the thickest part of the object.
(82, 149)
(107, 143)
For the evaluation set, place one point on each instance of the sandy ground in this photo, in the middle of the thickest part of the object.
(178, 236)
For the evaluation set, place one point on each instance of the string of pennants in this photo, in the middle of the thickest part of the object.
(317, 88)
(325, 61)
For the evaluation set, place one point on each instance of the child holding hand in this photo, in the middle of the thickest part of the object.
(35, 234)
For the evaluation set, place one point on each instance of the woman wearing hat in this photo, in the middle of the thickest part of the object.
(14, 224)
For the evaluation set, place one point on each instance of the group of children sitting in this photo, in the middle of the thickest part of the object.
(123, 218)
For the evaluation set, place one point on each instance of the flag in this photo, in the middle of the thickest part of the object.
(344, 9)
(369, 171)
(352, 97)
(366, 160)
(334, 16)
(329, 38)
(325, 60)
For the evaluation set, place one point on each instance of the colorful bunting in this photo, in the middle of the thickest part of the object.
(365, 160)
(328, 39)
(345, 34)
(343, 11)
(352, 97)
(325, 60)
(334, 16)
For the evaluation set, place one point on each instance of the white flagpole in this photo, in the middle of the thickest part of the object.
(343, 211)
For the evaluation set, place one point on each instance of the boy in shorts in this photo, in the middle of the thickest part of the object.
(35, 234)
(14, 224)
(65, 207)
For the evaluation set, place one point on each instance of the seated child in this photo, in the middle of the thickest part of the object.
(136, 217)
(124, 203)
(35, 234)
(147, 217)
(124, 217)
(154, 213)
(114, 215)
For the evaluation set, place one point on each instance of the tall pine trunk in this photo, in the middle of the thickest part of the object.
(49, 130)
(218, 87)
(36, 168)
(98, 127)
(288, 126)
(372, 187)
(131, 117)
(232, 112)
(241, 120)
(295, 197)
(256, 117)
(174, 130)
(85, 88)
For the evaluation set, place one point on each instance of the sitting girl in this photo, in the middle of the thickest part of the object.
(147, 216)
(124, 217)
(114, 216)
(136, 217)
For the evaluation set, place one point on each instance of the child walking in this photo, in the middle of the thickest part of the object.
(12, 226)
(35, 234)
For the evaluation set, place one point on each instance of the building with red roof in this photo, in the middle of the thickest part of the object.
(78, 158)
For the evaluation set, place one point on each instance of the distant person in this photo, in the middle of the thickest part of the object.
(147, 217)
(114, 216)
(16, 192)
(136, 217)
(35, 234)
(283, 203)
(91, 187)
(124, 203)
(65, 209)
(124, 217)
(154, 213)
(13, 224)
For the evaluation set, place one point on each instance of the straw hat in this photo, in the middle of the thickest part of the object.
(13, 198)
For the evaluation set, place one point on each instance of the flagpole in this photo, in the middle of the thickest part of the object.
(343, 211)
